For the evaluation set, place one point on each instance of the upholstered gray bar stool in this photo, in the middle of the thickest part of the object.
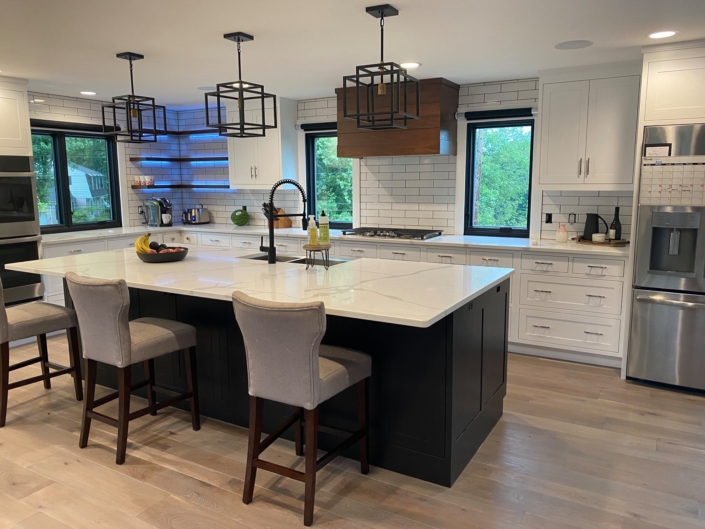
(109, 337)
(286, 363)
(36, 319)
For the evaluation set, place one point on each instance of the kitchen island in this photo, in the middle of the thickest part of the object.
(437, 335)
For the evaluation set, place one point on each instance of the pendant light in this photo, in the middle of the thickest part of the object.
(382, 93)
(144, 119)
(241, 109)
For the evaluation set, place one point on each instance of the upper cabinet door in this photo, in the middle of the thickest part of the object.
(269, 169)
(674, 90)
(242, 156)
(612, 123)
(564, 117)
(15, 133)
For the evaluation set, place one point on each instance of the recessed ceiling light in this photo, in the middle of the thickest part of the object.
(409, 65)
(573, 45)
(662, 34)
(88, 93)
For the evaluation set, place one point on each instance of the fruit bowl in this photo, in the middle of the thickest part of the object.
(163, 257)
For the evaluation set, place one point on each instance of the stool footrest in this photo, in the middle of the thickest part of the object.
(39, 378)
(112, 396)
(344, 445)
(276, 434)
(102, 418)
(279, 469)
(159, 406)
(25, 363)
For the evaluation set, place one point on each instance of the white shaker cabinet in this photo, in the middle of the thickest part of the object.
(588, 132)
(258, 163)
(564, 116)
(15, 132)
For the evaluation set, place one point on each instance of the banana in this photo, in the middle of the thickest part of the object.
(142, 243)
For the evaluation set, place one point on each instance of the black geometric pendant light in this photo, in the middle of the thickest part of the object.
(240, 109)
(384, 95)
(144, 120)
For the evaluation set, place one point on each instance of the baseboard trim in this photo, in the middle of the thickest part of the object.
(569, 356)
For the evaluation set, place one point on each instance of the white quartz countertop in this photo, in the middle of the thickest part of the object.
(405, 293)
(459, 241)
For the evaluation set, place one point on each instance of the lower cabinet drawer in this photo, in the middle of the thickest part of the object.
(189, 238)
(64, 250)
(598, 267)
(358, 250)
(497, 259)
(569, 330)
(400, 253)
(214, 240)
(446, 256)
(558, 293)
(119, 244)
(544, 262)
(248, 243)
(286, 246)
(171, 238)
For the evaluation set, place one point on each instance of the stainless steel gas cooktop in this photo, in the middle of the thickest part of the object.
(393, 233)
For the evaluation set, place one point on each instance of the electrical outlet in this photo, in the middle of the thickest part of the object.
(140, 210)
(549, 218)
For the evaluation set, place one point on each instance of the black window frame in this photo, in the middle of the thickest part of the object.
(311, 175)
(62, 182)
(470, 180)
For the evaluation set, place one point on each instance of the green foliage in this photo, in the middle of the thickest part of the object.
(502, 169)
(87, 152)
(333, 181)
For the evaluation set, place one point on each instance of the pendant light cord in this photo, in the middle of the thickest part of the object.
(381, 30)
(239, 65)
(132, 80)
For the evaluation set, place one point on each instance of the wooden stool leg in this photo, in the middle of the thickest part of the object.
(192, 384)
(91, 368)
(75, 361)
(149, 375)
(124, 387)
(44, 355)
(253, 443)
(4, 380)
(311, 454)
(299, 433)
(363, 417)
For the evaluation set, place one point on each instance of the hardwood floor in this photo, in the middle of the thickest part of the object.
(577, 448)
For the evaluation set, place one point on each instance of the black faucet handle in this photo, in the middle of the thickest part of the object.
(304, 222)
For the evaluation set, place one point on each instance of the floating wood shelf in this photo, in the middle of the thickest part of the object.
(178, 159)
(182, 186)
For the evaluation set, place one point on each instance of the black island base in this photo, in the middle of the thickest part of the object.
(435, 393)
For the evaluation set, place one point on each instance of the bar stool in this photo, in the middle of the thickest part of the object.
(102, 307)
(36, 319)
(286, 363)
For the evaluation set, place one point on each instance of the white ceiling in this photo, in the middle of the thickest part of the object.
(302, 48)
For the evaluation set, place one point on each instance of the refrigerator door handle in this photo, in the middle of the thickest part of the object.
(671, 302)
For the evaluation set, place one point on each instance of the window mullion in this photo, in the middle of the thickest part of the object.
(62, 179)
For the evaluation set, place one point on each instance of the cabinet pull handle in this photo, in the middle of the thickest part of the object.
(251, 171)
(281, 244)
(246, 242)
(593, 332)
(542, 326)
(75, 251)
(442, 255)
(543, 263)
(491, 259)
(543, 291)
(214, 240)
(580, 167)
(596, 266)
(587, 167)
(595, 296)
(398, 253)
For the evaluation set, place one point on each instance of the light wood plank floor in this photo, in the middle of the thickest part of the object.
(576, 448)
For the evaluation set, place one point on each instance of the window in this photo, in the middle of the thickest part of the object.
(328, 179)
(499, 178)
(77, 182)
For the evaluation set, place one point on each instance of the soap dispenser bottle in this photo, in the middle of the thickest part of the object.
(312, 231)
(324, 228)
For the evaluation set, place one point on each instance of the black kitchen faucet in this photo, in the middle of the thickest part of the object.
(271, 215)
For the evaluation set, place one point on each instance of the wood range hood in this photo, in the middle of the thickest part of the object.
(435, 132)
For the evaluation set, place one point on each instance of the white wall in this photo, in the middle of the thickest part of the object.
(419, 191)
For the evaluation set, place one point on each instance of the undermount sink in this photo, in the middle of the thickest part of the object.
(297, 259)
